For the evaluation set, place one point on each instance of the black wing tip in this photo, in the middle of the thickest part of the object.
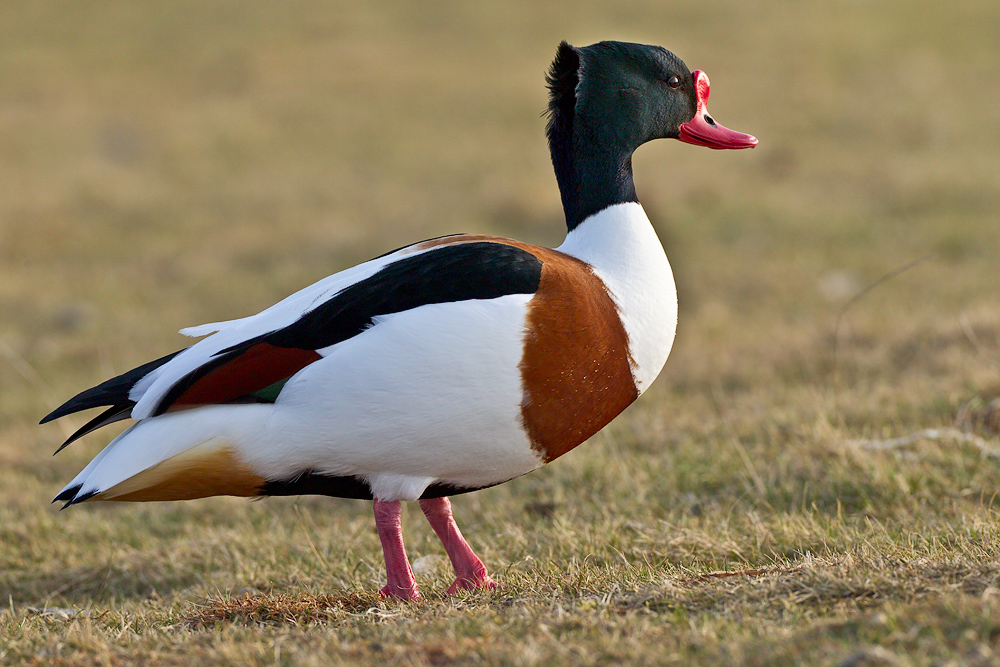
(110, 416)
(113, 392)
(95, 397)
(79, 403)
(55, 414)
(71, 439)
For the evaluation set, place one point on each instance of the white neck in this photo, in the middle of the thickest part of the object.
(622, 247)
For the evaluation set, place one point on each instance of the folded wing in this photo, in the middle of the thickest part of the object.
(250, 359)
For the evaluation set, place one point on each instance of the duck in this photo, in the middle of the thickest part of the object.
(443, 367)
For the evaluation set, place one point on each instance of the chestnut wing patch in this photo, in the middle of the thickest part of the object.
(250, 374)
(256, 369)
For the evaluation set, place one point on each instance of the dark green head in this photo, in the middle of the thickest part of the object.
(609, 98)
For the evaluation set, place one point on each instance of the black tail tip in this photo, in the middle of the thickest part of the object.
(72, 496)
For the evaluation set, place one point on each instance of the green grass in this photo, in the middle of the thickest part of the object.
(164, 164)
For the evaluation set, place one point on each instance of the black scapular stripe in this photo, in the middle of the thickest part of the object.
(460, 272)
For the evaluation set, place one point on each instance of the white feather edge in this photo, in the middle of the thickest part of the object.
(206, 329)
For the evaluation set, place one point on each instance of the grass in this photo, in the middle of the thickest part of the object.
(166, 164)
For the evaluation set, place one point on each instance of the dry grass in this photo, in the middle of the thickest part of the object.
(812, 481)
(278, 609)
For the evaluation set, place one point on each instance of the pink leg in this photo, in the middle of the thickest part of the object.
(401, 583)
(469, 570)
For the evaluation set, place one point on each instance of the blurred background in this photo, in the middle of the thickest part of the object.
(164, 164)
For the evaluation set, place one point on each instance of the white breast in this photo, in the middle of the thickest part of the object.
(621, 245)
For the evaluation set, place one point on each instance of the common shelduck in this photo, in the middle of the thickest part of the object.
(446, 366)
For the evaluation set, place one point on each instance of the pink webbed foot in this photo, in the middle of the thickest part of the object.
(472, 583)
(469, 570)
(407, 594)
(399, 575)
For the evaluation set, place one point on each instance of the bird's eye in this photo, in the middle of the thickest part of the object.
(674, 82)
